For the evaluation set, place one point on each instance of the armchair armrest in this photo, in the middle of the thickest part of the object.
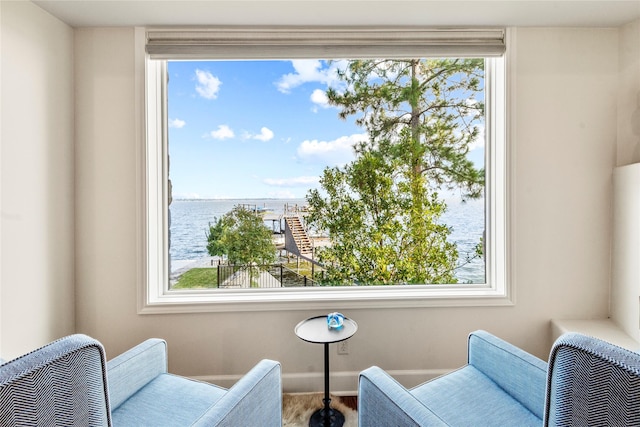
(594, 381)
(384, 401)
(520, 374)
(133, 369)
(63, 383)
(256, 397)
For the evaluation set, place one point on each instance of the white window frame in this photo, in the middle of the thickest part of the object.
(154, 295)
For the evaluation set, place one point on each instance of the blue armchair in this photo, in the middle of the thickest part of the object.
(586, 382)
(69, 382)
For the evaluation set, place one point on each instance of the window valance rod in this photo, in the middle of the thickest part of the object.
(322, 43)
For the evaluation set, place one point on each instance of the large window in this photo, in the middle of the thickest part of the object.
(280, 178)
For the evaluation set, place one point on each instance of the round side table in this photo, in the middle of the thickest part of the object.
(315, 330)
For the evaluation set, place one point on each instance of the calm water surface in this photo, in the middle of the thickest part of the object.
(190, 221)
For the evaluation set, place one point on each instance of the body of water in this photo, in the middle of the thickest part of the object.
(190, 222)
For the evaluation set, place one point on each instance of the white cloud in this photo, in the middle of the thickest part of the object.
(479, 141)
(291, 182)
(309, 70)
(265, 134)
(306, 70)
(177, 123)
(472, 105)
(319, 98)
(223, 132)
(208, 85)
(331, 153)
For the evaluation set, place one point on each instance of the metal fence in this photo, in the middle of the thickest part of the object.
(261, 276)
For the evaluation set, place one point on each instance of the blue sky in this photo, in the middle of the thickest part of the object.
(255, 129)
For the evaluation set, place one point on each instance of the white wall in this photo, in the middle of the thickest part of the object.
(625, 288)
(37, 175)
(564, 143)
(625, 274)
(629, 95)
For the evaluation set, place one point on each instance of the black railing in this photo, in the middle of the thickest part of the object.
(261, 276)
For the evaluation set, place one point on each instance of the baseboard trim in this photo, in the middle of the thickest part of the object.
(342, 383)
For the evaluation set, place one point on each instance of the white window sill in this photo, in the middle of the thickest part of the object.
(605, 329)
(323, 299)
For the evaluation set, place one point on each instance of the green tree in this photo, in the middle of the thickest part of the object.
(242, 236)
(215, 243)
(382, 211)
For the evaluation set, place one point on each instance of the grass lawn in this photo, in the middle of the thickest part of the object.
(207, 278)
(198, 278)
(303, 270)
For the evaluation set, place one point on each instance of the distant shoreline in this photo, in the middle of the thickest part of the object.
(239, 198)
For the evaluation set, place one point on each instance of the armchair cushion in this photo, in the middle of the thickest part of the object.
(467, 397)
(167, 400)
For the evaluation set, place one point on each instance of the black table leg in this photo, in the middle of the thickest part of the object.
(326, 417)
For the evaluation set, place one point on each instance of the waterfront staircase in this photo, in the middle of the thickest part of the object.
(296, 239)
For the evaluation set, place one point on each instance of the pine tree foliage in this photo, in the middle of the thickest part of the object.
(382, 211)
